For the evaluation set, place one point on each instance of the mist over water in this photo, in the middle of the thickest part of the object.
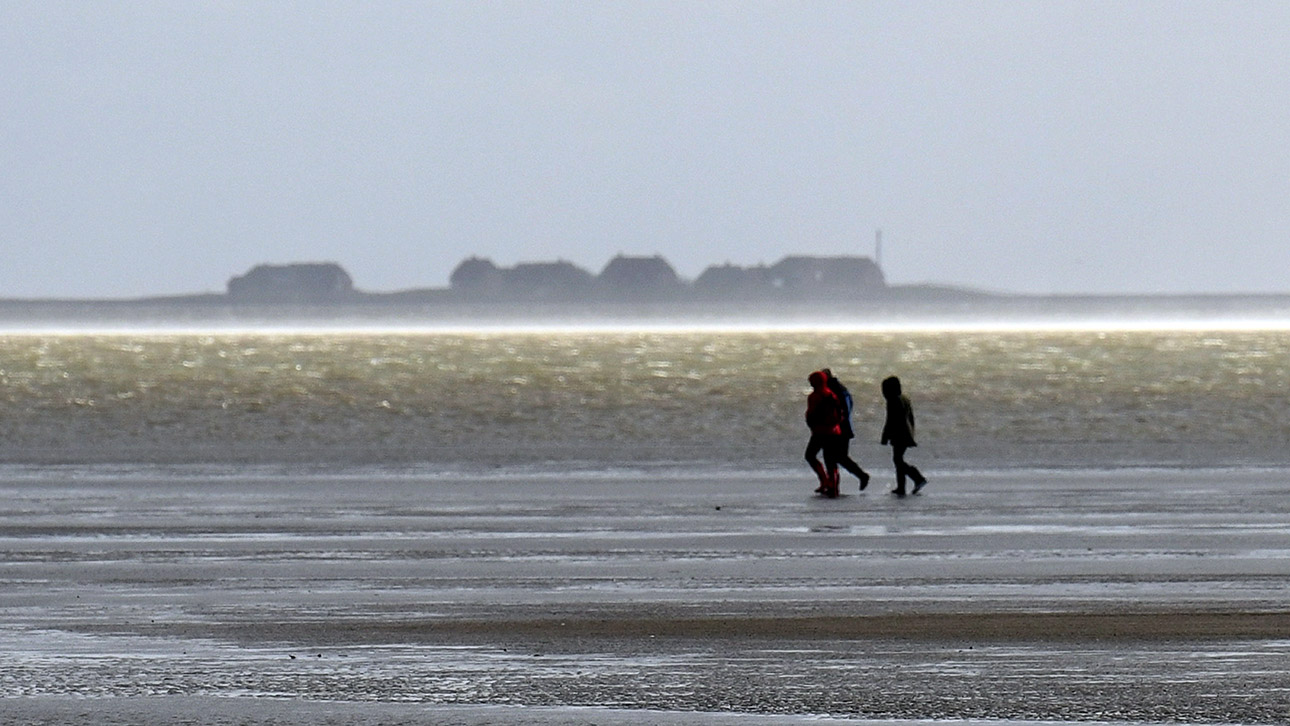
(605, 397)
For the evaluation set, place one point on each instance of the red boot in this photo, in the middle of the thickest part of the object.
(818, 468)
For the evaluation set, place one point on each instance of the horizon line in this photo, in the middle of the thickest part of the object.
(1091, 324)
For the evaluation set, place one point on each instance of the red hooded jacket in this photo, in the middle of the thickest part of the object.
(823, 409)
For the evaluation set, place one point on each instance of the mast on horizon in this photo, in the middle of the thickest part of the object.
(877, 248)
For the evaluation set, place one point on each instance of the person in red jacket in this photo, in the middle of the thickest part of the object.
(824, 419)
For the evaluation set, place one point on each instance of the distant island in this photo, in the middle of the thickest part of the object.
(838, 289)
(625, 279)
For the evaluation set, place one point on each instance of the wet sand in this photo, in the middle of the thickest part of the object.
(379, 597)
(1066, 627)
(214, 711)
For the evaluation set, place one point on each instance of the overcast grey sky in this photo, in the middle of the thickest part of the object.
(163, 147)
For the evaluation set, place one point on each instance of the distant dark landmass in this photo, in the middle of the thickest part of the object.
(828, 289)
(652, 279)
(624, 279)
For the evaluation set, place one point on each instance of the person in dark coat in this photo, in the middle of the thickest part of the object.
(843, 455)
(899, 432)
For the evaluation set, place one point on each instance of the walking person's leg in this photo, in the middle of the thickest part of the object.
(902, 469)
(919, 480)
(813, 448)
(846, 462)
(832, 449)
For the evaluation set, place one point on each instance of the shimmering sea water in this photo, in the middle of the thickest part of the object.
(604, 398)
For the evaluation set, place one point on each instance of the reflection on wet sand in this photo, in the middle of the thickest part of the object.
(1133, 595)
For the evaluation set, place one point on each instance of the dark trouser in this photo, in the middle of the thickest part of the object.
(844, 458)
(826, 443)
(829, 445)
(903, 468)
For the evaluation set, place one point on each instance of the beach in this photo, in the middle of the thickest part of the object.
(163, 595)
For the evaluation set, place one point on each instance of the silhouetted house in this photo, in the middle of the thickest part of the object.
(733, 282)
(827, 276)
(548, 281)
(637, 278)
(652, 279)
(477, 277)
(309, 283)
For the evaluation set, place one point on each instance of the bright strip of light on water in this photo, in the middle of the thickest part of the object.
(1036, 325)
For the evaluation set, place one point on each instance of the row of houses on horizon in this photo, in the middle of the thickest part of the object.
(626, 278)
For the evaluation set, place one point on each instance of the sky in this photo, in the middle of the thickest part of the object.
(1092, 146)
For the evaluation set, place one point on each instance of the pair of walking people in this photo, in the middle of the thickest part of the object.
(828, 416)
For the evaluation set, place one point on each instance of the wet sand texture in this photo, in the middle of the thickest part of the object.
(1123, 596)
